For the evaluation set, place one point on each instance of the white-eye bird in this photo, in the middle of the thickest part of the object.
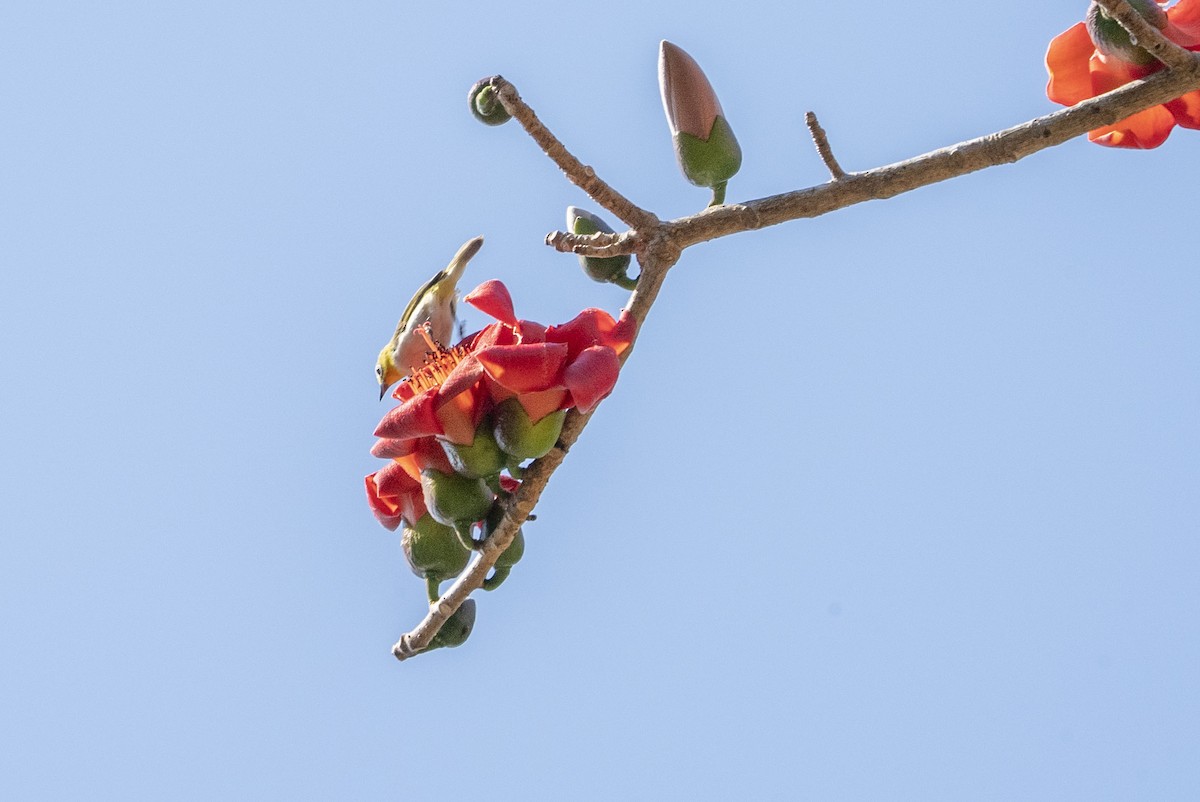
(436, 304)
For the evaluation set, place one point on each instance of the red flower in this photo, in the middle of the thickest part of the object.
(1079, 70)
(545, 369)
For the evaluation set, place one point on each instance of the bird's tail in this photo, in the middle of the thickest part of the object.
(458, 264)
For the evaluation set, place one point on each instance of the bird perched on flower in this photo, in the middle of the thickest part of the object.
(434, 304)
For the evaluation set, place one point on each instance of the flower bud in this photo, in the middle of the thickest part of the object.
(433, 550)
(456, 629)
(599, 268)
(481, 458)
(454, 499)
(707, 151)
(486, 105)
(1113, 40)
(520, 437)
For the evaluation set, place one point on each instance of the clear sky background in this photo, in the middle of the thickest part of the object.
(898, 503)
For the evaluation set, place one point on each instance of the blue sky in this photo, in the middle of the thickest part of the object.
(898, 503)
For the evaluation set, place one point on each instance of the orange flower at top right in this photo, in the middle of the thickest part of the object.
(1095, 57)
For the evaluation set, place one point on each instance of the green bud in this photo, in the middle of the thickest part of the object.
(709, 162)
(481, 458)
(520, 437)
(456, 629)
(707, 151)
(454, 499)
(612, 269)
(486, 105)
(433, 549)
(513, 554)
(1113, 40)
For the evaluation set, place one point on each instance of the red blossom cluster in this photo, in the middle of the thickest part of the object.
(1095, 57)
(484, 406)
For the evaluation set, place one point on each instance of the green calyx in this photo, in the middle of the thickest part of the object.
(457, 628)
(433, 550)
(520, 437)
(486, 105)
(455, 500)
(709, 162)
(481, 458)
(1113, 40)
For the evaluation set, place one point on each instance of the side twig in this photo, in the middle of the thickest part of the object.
(600, 244)
(579, 173)
(822, 142)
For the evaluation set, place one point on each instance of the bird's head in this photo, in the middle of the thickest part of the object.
(385, 370)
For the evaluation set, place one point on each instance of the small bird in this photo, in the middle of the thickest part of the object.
(436, 304)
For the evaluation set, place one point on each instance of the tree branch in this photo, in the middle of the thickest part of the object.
(658, 244)
(660, 255)
(1003, 147)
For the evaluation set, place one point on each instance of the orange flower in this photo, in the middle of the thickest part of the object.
(1080, 68)
(546, 369)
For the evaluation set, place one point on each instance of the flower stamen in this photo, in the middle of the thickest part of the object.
(439, 362)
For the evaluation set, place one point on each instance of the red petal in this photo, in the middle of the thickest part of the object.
(1184, 18)
(413, 418)
(391, 448)
(466, 374)
(1146, 129)
(427, 454)
(387, 514)
(1111, 73)
(525, 368)
(393, 481)
(539, 405)
(1067, 61)
(1186, 109)
(403, 392)
(492, 298)
(493, 334)
(529, 331)
(592, 376)
(460, 415)
(592, 327)
(393, 495)
(623, 333)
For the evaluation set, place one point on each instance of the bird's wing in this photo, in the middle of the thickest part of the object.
(414, 303)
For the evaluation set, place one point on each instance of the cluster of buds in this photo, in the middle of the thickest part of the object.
(467, 423)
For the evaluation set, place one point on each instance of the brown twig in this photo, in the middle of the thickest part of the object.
(822, 143)
(1146, 36)
(600, 244)
(579, 173)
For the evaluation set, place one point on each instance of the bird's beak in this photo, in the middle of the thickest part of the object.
(382, 390)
